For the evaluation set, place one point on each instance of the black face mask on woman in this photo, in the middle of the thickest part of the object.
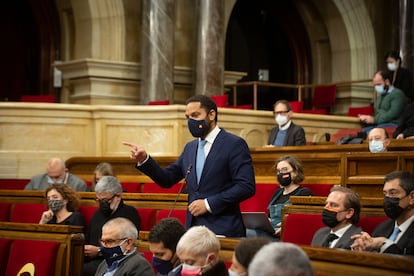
(284, 179)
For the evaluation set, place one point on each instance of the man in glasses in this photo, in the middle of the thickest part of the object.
(109, 196)
(56, 172)
(119, 236)
(286, 133)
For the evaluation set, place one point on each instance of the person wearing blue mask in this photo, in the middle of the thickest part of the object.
(56, 173)
(217, 167)
(163, 239)
(389, 104)
(119, 236)
(401, 77)
(378, 140)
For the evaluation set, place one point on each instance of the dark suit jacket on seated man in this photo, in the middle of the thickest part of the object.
(226, 179)
(340, 215)
(394, 236)
(286, 133)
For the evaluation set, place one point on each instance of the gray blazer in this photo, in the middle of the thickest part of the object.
(344, 242)
(39, 182)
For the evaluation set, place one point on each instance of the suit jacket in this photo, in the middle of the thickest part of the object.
(226, 180)
(344, 242)
(404, 246)
(133, 265)
(404, 82)
(295, 136)
(39, 182)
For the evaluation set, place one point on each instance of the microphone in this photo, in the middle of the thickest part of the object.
(184, 183)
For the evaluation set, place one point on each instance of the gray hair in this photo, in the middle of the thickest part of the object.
(199, 241)
(281, 259)
(126, 228)
(108, 184)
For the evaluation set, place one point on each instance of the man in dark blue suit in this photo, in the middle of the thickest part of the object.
(225, 179)
(394, 236)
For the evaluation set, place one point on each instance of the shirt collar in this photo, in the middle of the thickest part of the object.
(285, 126)
(212, 135)
(342, 231)
(404, 226)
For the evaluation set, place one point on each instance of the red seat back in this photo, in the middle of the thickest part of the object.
(131, 187)
(154, 188)
(364, 110)
(300, 228)
(13, 184)
(161, 102)
(5, 211)
(38, 98)
(324, 96)
(27, 212)
(319, 189)
(260, 200)
(181, 215)
(43, 254)
(220, 100)
(368, 223)
(4, 254)
(87, 213)
(297, 106)
(147, 216)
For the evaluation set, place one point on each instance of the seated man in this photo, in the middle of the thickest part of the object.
(198, 250)
(109, 195)
(378, 140)
(405, 129)
(286, 133)
(163, 239)
(281, 258)
(340, 215)
(56, 172)
(394, 236)
(118, 239)
(389, 103)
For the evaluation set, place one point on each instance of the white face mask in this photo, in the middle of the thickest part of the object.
(376, 146)
(281, 119)
(232, 273)
(392, 66)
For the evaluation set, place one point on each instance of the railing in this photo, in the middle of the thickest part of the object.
(300, 87)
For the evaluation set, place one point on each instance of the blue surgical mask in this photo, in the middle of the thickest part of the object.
(380, 89)
(281, 119)
(50, 181)
(392, 66)
(376, 146)
(161, 265)
(198, 128)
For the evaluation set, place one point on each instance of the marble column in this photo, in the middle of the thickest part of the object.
(157, 57)
(406, 12)
(210, 36)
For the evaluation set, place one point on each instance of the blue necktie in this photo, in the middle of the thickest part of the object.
(394, 234)
(200, 159)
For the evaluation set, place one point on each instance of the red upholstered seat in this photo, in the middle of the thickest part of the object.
(368, 223)
(260, 200)
(319, 189)
(220, 100)
(38, 98)
(243, 106)
(87, 212)
(364, 110)
(161, 102)
(43, 254)
(5, 211)
(147, 216)
(13, 184)
(181, 215)
(131, 187)
(4, 254)
(154, 188)
(27, 212)
(323, 99)
(297, 106)
(300, 228)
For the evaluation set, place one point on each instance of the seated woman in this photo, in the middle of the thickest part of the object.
(289, 173)
(62, 202)
(102, 169)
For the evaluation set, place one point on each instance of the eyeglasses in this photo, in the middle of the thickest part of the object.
(105, 199)
(110, 242)
(280, 112)
(283, 170)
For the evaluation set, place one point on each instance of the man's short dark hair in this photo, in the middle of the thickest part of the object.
(352, 200)
(406, 180)
(205, 102)
(168, 231)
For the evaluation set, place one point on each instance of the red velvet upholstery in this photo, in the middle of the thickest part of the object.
(220, 100)
(369, 223)
(38, 98)
(300, 228)
(364, 110)
(297, 106)
(323, 97)
(244, 106)
(181, 215)
(4, 254)
(260, 200)
(315, 111)
(41, 253)
(27, 212)
(319, 189)
(131, 187)
(154, 188)
(344, 132)
(161, 102)
(87, 212)
(13, 184)
(5, 211)
(147, 216)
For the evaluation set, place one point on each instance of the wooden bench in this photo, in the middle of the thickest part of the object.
(69, 257)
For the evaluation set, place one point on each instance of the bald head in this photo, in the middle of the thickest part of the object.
(56, 169)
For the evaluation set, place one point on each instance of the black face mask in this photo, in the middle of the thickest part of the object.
(284, 179)
(105, 208)
(329, 218)
(392, 207)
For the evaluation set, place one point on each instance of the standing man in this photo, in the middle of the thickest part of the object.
(56, 172)
(378, 140)
(394, 236)
(340, 215)
(286, 133)
(217, 167)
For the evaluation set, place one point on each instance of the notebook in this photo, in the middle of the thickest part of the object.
(257, 220)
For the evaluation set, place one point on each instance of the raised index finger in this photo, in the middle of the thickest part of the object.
(127, 144)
